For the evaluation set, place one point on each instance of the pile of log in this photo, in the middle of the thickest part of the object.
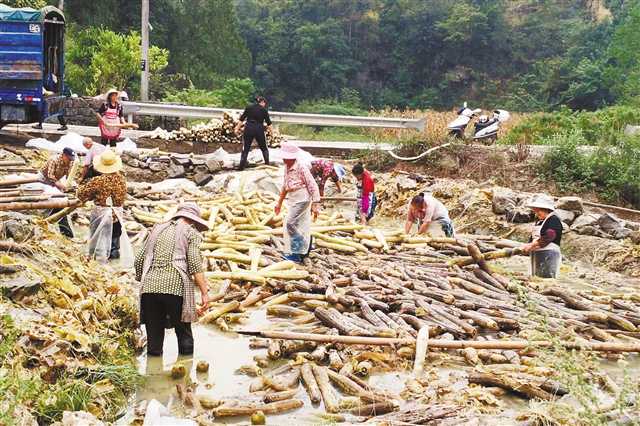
(368, 300)
(214, 132)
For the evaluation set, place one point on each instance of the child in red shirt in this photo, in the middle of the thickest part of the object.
(367, 200)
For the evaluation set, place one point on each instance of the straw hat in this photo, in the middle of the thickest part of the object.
(542, 201)
(191, 212)
(110, 91)
(289, 151)
(107, 162)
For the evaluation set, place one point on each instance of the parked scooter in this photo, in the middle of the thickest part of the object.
(486, 129)
(458, 126)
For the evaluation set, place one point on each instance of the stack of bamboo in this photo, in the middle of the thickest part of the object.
(215, 131)
(362, 283)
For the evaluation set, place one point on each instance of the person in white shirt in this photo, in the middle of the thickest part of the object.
(93, 150)
(431, 216)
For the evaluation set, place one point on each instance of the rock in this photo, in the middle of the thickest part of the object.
(634, 226)
(573, 204)
(80, 418)
(157, 166)
(584, 220)
(520, 214)
(405, 183)
(201, 179)
(504, 200)
(592, 231)
(613, 226)
(175, 171)
(566, 216)
(181, 161)
(132, 162)
(201, 169)
(213, 165)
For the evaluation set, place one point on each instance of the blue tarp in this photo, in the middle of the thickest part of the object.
(26, 14)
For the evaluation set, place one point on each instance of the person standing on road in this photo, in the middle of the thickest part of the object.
(51, 174)
(93, 150)
(544, 244)
(108, 192)
(168, 266)
(367, 200)
(303, 198)
(254, 117)
(323, 170)
(430, 215)
(111, 119)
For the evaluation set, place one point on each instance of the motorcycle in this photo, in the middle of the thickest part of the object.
(486, 130)
(459, 125)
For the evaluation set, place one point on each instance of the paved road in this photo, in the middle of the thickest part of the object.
(50, 132)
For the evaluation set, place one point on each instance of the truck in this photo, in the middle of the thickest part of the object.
(31, 64)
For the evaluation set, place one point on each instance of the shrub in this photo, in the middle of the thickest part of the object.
(329, 106)
(603, 125)
(194, 97)
(611, 169)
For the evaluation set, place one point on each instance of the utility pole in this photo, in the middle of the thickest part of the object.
(144, 82)
(61, 4)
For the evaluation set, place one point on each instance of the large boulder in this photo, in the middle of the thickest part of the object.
(213, 164)
(175, 171)
(520, 214)
(504, 200)
(566, 216)
(584, 220)
(572, 204)
(613, 226)
(158, 166)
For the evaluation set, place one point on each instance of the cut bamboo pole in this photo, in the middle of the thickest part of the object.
(54, 218)
(42, 205)
(18, 181)
(444, 344)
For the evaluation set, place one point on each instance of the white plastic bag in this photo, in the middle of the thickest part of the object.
(158, 415)
(102, 226)
(297, 223)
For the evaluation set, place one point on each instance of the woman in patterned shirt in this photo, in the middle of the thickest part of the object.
(303, 198)
(168, 266)
(323, 170)
(108, 191)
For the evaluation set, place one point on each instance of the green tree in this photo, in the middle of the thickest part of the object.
(35, 4)
(205, 43)
(98, 59)
(235, 93)
(624, 53)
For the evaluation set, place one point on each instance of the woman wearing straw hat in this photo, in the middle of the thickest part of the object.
(108, 192)
(544, 244)
(111, 119)
(303, 198)
(168, 266)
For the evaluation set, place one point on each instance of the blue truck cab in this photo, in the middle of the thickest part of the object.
(31, 63)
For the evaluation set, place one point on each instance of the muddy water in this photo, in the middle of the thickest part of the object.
(225, 353)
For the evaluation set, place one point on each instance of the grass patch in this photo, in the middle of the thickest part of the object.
(102, 388)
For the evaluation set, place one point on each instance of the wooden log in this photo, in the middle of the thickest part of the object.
(310, 384)
(17, 181)
(277, 407)
(445, 344)
(326, 390)
(350, 387)
(375, 409)
(39, 205)
(54, 218)
(521, 387)
(279, 396)
(274, 350)
(220, 311)
(10, 246)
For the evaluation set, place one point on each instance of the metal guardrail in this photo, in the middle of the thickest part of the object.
(184, 111)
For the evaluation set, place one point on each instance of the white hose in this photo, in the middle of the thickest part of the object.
(417, 157)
